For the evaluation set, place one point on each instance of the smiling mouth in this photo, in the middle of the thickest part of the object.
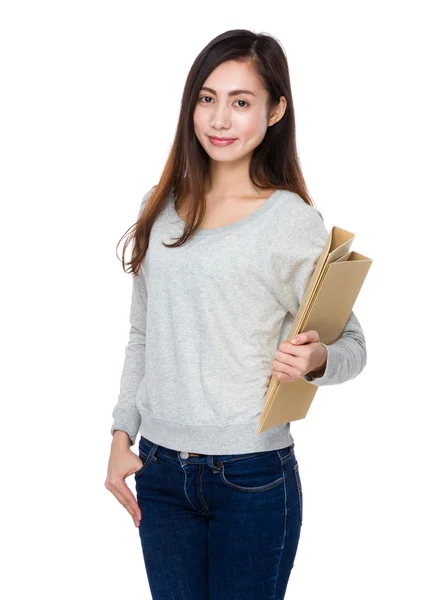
(221, 142)
(220, 139)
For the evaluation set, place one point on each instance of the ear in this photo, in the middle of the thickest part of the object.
(277, 111)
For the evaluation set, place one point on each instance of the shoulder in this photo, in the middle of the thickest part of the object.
(291, 206)
(297, 217)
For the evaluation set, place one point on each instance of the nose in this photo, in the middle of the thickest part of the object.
(221, 117)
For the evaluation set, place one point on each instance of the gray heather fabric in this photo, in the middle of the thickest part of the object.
(206, 320)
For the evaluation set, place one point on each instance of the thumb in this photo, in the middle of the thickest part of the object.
(306, 337)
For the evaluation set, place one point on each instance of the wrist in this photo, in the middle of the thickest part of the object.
(320, 369)
(121, 439)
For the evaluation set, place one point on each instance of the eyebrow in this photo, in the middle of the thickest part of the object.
(233, 93)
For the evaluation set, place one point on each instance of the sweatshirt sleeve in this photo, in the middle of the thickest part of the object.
(347, 356)
(125, 414)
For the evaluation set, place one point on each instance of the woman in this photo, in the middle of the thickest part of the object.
(219, 507)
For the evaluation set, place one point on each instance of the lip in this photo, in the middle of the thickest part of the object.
(221, 141)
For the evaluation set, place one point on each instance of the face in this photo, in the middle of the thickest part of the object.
(221, 111)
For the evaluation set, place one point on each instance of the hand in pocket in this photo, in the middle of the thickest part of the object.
(122, 463)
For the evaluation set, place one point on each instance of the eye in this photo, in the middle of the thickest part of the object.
(211, 99)
(243, 101)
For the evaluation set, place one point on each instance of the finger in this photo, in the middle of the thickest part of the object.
(286, 373)
(281, 375)
(287, 349)
(124, 495)
(305, 337)
(292, 365)
(287, 358)
(287, 368)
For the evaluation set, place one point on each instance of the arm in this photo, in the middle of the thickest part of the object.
(346, 357)
(306, 238)
(125, 414)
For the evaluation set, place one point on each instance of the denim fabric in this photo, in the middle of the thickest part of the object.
(218, 527)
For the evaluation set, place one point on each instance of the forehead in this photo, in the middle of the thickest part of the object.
(233, 75)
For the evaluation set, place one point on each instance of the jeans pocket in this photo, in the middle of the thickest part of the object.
(258, 473)
(299, 489)
(146, 454)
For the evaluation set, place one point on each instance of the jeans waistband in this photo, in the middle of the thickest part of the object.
(151, 448)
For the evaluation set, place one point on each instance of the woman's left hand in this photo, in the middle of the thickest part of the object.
(294, 360)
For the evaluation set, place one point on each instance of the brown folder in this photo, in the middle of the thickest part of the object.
(325, 307)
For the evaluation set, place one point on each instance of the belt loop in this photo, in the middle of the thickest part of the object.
(211, 464)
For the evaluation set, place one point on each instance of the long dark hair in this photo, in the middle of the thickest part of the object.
(274, 163)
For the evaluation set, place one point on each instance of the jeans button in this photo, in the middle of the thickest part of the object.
(184, 454)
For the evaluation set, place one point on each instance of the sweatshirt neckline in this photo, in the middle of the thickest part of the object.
(230, 226)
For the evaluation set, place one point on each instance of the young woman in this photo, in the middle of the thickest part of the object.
(219, 507)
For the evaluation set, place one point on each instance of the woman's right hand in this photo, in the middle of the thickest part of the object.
(122, 463)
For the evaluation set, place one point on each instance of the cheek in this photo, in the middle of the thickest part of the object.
(253, 126)
(199, 120)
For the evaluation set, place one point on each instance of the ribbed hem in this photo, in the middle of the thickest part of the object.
(213, 439)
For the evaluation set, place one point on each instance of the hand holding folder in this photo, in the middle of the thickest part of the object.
(325, 307)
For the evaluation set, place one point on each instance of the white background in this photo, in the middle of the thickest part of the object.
(89, 103)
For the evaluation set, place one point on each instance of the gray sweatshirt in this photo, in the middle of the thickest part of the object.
(206, 320)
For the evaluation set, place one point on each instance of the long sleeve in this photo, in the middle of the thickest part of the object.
(347, 356)
(125, 414)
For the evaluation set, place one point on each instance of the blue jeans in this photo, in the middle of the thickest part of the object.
(218, 527)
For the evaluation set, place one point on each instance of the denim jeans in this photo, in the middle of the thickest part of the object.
(218, 527)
